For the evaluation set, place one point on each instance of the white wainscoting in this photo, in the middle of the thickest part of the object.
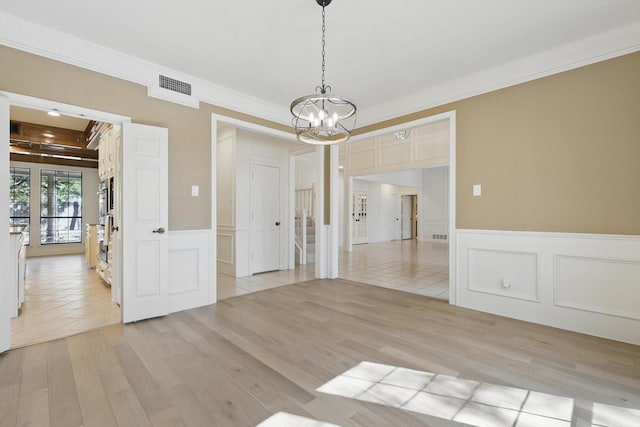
(191, 270)
(587, 283)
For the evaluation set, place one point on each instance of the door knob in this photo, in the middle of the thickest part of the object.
(159, 230)
(277, 222)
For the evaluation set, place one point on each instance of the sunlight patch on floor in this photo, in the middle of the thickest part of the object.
(466, 401)
(284, 419)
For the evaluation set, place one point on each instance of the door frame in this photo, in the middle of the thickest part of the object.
(290, 193)
(451, 117)
(46, 105)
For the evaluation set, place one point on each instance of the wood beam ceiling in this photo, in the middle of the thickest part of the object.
(30, 142)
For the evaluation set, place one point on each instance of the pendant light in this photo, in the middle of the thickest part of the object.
(323, 118)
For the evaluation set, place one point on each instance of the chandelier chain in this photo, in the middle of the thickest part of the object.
(323, 44)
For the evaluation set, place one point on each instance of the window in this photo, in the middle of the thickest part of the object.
(19, 199)
(60, 207)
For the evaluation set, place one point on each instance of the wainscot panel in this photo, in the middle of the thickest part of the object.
(189, 272)
(588, 283)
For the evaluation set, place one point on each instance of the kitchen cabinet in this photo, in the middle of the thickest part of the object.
(17, 270)
(91, 245)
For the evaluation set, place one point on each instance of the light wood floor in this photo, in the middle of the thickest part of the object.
(63, 296)
(246, 358)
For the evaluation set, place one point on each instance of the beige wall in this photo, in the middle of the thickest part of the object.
(555, 154)
(189, 129)
(561, 153)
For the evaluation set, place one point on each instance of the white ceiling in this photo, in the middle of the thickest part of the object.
(388, 56)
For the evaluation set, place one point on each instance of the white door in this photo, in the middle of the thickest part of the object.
(143, 227)
(265, 218)
(407, 222)
(359, 218)
(5, 301)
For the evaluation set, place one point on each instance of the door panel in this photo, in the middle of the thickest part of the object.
(407, 223)
(265, 218)
(144, 222)
(360, 233)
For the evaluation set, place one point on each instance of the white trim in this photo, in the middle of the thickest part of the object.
(453, 294)
(585, 282)
(241, 124)
(5, 310)
(600, 47)
(213, 229)
(33, 103)
(40, 40)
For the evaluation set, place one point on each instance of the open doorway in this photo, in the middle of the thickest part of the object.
(407, 241)
(59, 207)
(255, 218)
(407, 173)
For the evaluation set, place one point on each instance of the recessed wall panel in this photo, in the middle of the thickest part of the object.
(506, 273)
(147, 254)
(183, 271)
(148, 205)
(601, 285)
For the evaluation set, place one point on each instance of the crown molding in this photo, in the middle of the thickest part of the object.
(46, 42)
(587, 51)
(39, 40)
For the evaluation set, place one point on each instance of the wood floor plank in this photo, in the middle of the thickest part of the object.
(33, 409)
(94, 403)
(64, 407)
(242, 360)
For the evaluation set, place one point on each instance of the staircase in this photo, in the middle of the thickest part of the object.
(305, 226)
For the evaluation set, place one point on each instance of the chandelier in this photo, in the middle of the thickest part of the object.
(323, 118)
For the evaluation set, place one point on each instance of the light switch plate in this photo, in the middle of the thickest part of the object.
(195, 190)
(477, 190)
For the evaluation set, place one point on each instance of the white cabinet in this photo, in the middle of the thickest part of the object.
(107, 151)
(91, 245)
(17, 270)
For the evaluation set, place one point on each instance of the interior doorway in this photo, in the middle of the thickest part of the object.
(359, 218)
(412, 167)
(409, 217)
(57, 203)
(61, 209)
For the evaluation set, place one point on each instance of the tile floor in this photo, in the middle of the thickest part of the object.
(406, 265)
(64, 297)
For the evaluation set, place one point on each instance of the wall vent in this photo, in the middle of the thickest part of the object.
(174, 85)
(439, 236)
(174, 90)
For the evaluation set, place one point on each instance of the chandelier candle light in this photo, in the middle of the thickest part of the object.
(323, 118)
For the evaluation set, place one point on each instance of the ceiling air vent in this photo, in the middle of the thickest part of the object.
(175, 85)
(174, 90)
